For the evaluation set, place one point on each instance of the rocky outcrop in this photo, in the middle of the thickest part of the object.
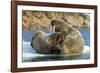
(39, 20)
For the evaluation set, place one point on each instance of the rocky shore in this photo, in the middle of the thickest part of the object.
(42, 20)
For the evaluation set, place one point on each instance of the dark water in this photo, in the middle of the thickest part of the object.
(29, 54)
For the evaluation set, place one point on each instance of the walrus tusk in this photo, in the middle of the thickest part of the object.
(52, 29)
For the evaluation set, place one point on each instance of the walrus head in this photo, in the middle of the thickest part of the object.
(60, 25)
(56, 22)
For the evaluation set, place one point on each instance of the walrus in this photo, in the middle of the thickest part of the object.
(41, 43)
(69, 39)
(66, 40)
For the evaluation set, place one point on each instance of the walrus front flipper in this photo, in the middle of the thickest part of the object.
(55, 50)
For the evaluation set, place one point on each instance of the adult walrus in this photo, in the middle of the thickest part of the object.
(66, 40)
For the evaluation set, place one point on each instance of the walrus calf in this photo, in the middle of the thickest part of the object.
(66, 40)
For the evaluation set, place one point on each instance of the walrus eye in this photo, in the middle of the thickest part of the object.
(55, 50)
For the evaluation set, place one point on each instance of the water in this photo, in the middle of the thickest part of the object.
(86, 35)
(29, 54)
